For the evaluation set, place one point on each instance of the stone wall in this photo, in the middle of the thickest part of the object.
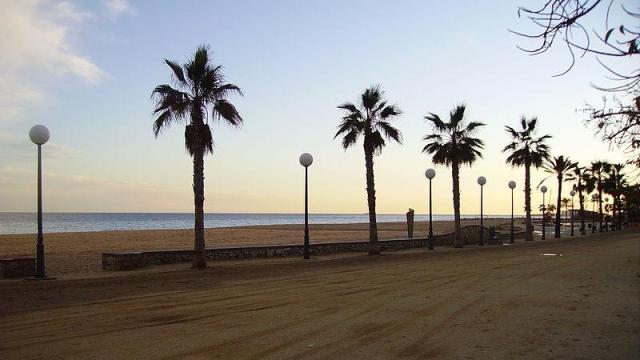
(17, 267)
(134, 260)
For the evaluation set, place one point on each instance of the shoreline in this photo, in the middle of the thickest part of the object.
(517, 219)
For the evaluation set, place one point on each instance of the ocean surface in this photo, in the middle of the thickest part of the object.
(25, 223)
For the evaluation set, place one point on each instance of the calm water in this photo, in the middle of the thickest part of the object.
(25, 223)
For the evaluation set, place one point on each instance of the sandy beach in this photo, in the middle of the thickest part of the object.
(80, 253)
(475, 303)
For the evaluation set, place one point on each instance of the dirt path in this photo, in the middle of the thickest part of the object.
(506, 302)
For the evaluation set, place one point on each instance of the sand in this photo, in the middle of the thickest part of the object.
(80, 253)
(505, 302)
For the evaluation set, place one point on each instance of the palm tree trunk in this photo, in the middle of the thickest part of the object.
(528, 235)
(374, 245)
(614, 224)
(600, 204)
(581, 201)
(556, 233)
(455, 174)
(619, 213)
(199, 256)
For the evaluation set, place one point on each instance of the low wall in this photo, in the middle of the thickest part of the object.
(134, 260)
(17, 267)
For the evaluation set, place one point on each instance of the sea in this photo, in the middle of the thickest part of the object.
(25, 223)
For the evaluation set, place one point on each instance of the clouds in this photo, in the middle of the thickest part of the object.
(118, 7)
(36, 48)
(86, 193)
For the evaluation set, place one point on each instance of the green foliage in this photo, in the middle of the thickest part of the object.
(199, 93)
(452, 142)
(525, 148)
(371, 120)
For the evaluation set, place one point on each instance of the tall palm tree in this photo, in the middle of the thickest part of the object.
(561, 168)
(199, 96)
(584, 186)
(452, 144)
(613, 185)
(371, 120)
(599, 169)
(527, 150)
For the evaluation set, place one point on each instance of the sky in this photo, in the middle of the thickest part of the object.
(86, 70)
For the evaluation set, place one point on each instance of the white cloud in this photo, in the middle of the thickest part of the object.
(18, 149)
(66, 11)
(118, 7)
(68, 192)
(35, 47)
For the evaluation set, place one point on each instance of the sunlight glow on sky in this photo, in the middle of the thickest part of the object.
(86, 70)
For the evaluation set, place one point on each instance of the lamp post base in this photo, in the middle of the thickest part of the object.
(430, 242)
(35, 278)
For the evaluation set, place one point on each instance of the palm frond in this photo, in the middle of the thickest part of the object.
(389, 131)
(390, 111)
(226, 110)
(371, 96)
(177, 72)
(349, 139)
(457, 115)
(437, 123)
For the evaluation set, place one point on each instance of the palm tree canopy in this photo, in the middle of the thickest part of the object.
(559, 166)
(453, 141)
(615, 180)
(586, 182)
(199, 93)
(599, 168)
(525, 147)
(371, 119)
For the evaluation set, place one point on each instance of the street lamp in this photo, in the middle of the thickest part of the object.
(594, 198)
(544, 208)
(606, 213)
(39, 135)
(306, 160)
(572, 193)
(430, 174)
(512, 185)
(481, 181)
(622, 211)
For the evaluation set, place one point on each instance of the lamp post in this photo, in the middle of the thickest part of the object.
(512, 185)
(606, 213)
(39, 135)
(572, 193)
(306, 160)
(481, 181)
(621, 213)
(594, 198)
(430, 174)
(544, 213)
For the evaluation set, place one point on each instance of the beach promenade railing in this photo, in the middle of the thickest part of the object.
(117, 261)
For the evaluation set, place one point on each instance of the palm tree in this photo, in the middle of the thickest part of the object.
(613, 185)
(561, 168)
(452, 144)
(200, 95)
(371, 120)
(527, 150)
(565, 203)
(599, 169)
(584, 186)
